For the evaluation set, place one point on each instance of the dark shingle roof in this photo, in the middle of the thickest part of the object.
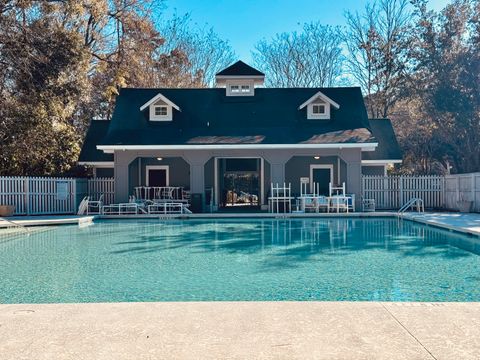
(388, 148)
(95, 135)
(208, 116)
(240, 69)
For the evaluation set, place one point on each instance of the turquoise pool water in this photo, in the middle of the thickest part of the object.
(265, 259)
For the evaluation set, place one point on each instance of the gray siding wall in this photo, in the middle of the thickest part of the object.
(299, 166)
(179, 171)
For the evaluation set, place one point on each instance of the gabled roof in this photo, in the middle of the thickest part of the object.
(159, 96)
(210, 117)
(240, 69)
(95, 135)
(321, 96)
(388, 148)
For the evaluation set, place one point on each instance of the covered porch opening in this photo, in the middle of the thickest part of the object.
(153, 173)
(239, 182)
(318, 171)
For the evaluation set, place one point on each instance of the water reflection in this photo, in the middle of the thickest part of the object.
(244, 259)
(247, 235)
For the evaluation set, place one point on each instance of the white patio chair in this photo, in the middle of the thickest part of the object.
(336, 190)
(310, 204)
(322, 202)
(94, 207)
(280, 199)
(368, 205)
(351, 202)
(339, 203)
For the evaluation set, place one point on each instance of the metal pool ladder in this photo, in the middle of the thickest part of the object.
(414, 202)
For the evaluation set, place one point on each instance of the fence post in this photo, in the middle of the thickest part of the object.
(458, 189)
(401, 191)
(472, 190)
(74, 196)
(27, 195)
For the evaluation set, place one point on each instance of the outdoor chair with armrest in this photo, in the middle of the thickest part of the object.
(95, 206)
(339, 203)
(351, 202)
(322, 202)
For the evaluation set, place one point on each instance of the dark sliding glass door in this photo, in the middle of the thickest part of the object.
(239, 182)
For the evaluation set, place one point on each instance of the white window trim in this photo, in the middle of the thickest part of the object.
(167, 117)
(312, 116)
(157, 167)
(241, 83)
(320, 166)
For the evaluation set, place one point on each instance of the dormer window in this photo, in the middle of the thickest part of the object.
(240, 88)
(318, 109)
(160, 111)
(245, 89)
(239, 79)
(160, 108)
(319, 106)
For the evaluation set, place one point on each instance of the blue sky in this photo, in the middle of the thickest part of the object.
(245, 22)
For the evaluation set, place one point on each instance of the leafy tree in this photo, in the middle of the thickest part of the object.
(62, 63)
(446, 79)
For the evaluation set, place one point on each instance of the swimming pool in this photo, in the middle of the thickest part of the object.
(335, 259)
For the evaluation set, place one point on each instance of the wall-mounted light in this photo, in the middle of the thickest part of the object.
(159, 159)
(316, 157)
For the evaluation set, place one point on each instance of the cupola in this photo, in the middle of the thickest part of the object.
(239, 79)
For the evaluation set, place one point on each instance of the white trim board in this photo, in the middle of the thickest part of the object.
(321, 96)
(107, 164)
(156, 98)
(380, 162)
(363, 146)
(158, 167)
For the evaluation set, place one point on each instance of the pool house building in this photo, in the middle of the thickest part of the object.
(227, 145)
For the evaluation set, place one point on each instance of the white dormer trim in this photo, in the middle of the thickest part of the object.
(321, 96)
(164, 107)
(159, 97)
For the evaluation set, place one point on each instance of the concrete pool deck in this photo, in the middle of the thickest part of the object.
(462, 222)
(241, 330)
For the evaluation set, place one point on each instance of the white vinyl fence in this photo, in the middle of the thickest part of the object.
(391, 192)
(38, 195)
(99, 186)
(461, 188)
